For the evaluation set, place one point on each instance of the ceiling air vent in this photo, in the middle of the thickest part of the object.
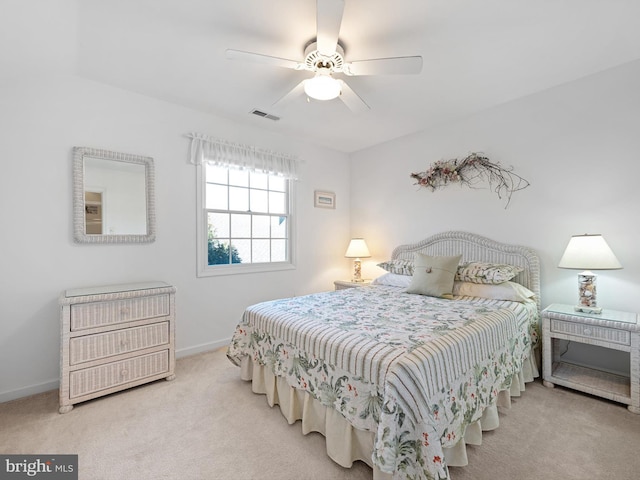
(265, 115)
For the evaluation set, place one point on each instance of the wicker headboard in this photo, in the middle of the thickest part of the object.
(480, 249)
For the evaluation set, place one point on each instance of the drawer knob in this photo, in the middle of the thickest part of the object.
(587, 331)
(123, 372)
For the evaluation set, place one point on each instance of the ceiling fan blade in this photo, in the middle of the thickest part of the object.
(290, 95)
(352, 100)
(329, 18)
(384, 66)
(265, 59)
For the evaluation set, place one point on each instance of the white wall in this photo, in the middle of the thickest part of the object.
(577, 144)
(41, 119)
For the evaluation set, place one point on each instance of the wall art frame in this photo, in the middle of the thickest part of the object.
(324, 199)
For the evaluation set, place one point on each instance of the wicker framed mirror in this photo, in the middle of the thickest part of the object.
(113, 197)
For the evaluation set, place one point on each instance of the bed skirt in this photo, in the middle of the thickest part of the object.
(346, 444)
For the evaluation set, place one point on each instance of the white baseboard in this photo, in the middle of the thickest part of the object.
(29, 390)
(203, 347)
(54, 384)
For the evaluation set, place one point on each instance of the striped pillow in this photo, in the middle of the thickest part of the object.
(489, 273)
(399, 267)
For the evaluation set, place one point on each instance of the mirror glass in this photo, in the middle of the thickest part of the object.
(113, 197)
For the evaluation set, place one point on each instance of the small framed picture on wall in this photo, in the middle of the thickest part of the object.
(324, 199)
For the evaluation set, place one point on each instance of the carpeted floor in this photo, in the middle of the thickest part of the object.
(208, 425)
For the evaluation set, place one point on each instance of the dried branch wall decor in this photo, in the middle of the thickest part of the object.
(470, 171)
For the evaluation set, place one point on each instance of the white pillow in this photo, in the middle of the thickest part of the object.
(393, 280)
(510, 291)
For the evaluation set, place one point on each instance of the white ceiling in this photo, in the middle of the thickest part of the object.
(477, 54)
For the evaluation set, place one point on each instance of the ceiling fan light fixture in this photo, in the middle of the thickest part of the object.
(323, 86)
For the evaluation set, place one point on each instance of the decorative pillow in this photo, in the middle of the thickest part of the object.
(491, 273)
(433, 276)
(393, 280)
(510, 291)
(399, 267)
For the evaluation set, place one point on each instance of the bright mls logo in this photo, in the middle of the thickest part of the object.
(49, 467)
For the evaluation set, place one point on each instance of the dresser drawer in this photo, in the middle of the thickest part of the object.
(622, 337)
(99, 314)
(90, 380)
(102, 345)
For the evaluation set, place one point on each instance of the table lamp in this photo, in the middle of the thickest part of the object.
(357, 249)
(588, 252)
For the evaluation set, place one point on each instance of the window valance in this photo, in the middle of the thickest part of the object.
(205, 149)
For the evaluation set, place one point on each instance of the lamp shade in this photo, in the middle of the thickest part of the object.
(589, 252)
(323, 86)
(357, 249)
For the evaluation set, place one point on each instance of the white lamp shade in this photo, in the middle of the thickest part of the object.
(589, 252)
(357, 249)
(322, 87)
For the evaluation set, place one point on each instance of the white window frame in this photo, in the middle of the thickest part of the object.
(206, 270)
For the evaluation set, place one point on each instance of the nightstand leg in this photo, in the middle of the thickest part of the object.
(548, 384)
(635, 373)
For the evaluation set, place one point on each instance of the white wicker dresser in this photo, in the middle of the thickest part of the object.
(115, 337)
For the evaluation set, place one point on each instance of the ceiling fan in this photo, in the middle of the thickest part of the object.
(324, 57)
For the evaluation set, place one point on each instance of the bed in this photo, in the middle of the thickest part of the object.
(401, 381)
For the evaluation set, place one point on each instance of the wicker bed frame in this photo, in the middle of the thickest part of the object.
(480, 249)
(346, 444)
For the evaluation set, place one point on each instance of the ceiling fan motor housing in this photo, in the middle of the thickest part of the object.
(313, 59)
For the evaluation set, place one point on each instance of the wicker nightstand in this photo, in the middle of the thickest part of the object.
(342, 284)
(610, 329)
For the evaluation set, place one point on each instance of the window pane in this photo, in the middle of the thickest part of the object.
(259, 180)
(238, 177)
(241, 250)
(278, 227)
(240, 226)
(239, 199)
(261, 226)
(246, 219)
(278, 250)
(260, 251)
(277, 202)
(277, 183)
(259, 201)
(216, 197)
(216, 174)
(219, 225)
(218, 251)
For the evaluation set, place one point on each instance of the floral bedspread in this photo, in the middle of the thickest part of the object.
(415, 370)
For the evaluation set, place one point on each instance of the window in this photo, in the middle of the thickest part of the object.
(245, 223)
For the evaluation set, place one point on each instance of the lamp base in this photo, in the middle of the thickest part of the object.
(584, 309)
(357, 272)
(587, 302)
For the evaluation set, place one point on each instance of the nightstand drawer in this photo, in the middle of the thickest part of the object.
(622, 337)
(343, 284)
